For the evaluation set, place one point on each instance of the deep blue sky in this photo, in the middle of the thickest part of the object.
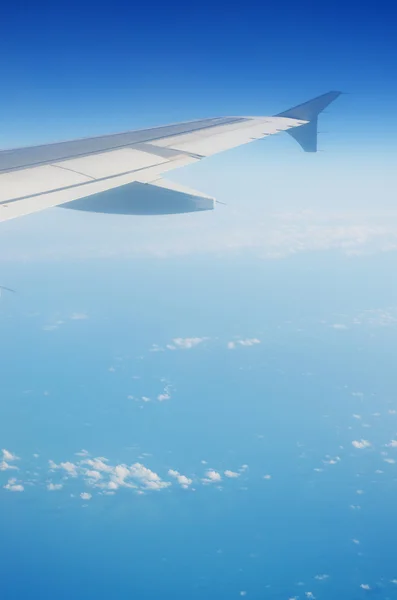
(72, 69)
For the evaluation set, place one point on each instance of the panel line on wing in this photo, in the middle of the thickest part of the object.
(73, 171)
(144, 135)
(78, 185)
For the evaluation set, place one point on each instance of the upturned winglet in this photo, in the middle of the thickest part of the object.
(306, 135)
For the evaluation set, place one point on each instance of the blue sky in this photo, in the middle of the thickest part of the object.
(73, 71)
(203, 406)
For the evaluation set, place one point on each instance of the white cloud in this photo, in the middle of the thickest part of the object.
(5, 466)
(187, 343)
(165, 395)
(339, 326)
(156, 348)
(13, 486)
(184, 481)
(332, 461)
(231, 474)
(365, 586)
(93, 475)
(78, 316)
(361, 444)
(85, 496)
(147, 478)
(82, 453)
(378, 317)
(249, 342)
(267, 477)
(70, 468)
(9, 456)
(97, 464)
(322, 577)
(212, 476)
(357, 542)
(393, 444)
(245, 342)
(53, 487)
(391, 461)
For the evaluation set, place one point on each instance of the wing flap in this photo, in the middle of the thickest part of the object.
(161, 197)
(12, 208)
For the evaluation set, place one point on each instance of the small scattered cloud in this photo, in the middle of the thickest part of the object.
(245, 343)
(361, 444)
(365, 586)
(184, 481)
(165, 394)
(13, 486)
(82, 452)
(94, 475)
(85, 496)
(9, 456)
(54, 487)
(186, 343)
(378, 317)
(212, 476)
(267, 477)
(231, 474)
(339, 326)
(321, 577)
(78, 316)
(332, 460)
(393, 444)
(5, 466)
(147, 478)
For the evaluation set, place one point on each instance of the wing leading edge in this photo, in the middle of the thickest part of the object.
(81, 174)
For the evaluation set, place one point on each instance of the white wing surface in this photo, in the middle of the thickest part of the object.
(83, 174)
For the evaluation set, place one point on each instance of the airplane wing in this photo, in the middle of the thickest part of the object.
(122, 173)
